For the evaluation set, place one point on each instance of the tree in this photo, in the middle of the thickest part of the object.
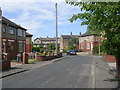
(102, 17)
(69, 47)
(51, 46)
(74, 42)
(41, 48)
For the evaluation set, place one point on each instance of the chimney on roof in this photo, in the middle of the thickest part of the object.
(80, 33)
(70, 33)
(0, 12)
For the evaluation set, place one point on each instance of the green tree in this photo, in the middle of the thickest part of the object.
(41, 48)
(102, 17)
(74, 42)
(36, 49)
(69, 47)
(51, 46)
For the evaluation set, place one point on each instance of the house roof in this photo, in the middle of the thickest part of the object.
(10, 23)
(69, 36)
(87, 34)
(28, 34)
(46, 39)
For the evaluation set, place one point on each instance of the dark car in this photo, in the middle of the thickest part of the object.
(78, 50)
(71, 52)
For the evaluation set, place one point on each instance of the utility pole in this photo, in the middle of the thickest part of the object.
(56, 29)
(99, 46)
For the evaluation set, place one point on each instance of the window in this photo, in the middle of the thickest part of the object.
(88, 45)
(19, 32)
(11, 30)
(4, 29)
(82, 45)
(11, 47)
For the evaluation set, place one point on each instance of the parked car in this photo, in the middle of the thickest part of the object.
(71, 52)
(78, 50)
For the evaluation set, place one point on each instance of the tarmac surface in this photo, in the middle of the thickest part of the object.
(81, 71)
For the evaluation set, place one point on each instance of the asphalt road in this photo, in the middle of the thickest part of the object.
(72, 72)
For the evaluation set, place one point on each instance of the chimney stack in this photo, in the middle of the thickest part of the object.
(80, 33)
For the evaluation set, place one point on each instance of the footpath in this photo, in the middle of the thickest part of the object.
(105, 72)
(27, 67)
(104, 76)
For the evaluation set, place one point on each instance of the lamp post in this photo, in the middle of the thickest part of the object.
(56, 29)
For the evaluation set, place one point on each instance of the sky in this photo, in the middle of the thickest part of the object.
(39, 18)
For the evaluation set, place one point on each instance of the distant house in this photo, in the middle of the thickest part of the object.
(44, 41)
(87, 41)
(28, 42)
(65, 39)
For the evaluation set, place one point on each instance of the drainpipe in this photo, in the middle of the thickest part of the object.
(0, 33)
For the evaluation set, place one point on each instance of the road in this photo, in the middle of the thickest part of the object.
(72, 72)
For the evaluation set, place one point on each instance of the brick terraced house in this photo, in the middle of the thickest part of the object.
(13, 37)
(87, 41)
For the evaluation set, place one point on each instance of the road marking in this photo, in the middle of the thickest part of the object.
(47, 81)
(93, 74)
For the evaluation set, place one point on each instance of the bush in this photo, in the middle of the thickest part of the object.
(50, 51)
(37, 49)
(69, 47)
(64, 51)
(96, 49)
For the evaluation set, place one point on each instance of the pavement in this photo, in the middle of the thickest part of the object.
(111, 65)
(18, 68)
(104, 76)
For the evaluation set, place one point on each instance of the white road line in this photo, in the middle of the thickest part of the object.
(93, 75)
(47, 81)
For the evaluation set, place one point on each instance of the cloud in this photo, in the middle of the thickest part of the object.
(38, 17)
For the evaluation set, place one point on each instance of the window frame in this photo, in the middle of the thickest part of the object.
(20, 32)
(11, 28)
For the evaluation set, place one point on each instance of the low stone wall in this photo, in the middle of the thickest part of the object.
(4, 65)
(109, 58)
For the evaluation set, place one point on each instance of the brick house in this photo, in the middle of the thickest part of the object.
(64, 41)
(28, 42)
(87, 41)
(12, 39)
(45, 41)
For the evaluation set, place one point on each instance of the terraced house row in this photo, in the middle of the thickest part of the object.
(14, 38)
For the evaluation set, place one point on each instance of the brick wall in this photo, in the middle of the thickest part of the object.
(109, 58)
(28, 48)
(5, 65)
